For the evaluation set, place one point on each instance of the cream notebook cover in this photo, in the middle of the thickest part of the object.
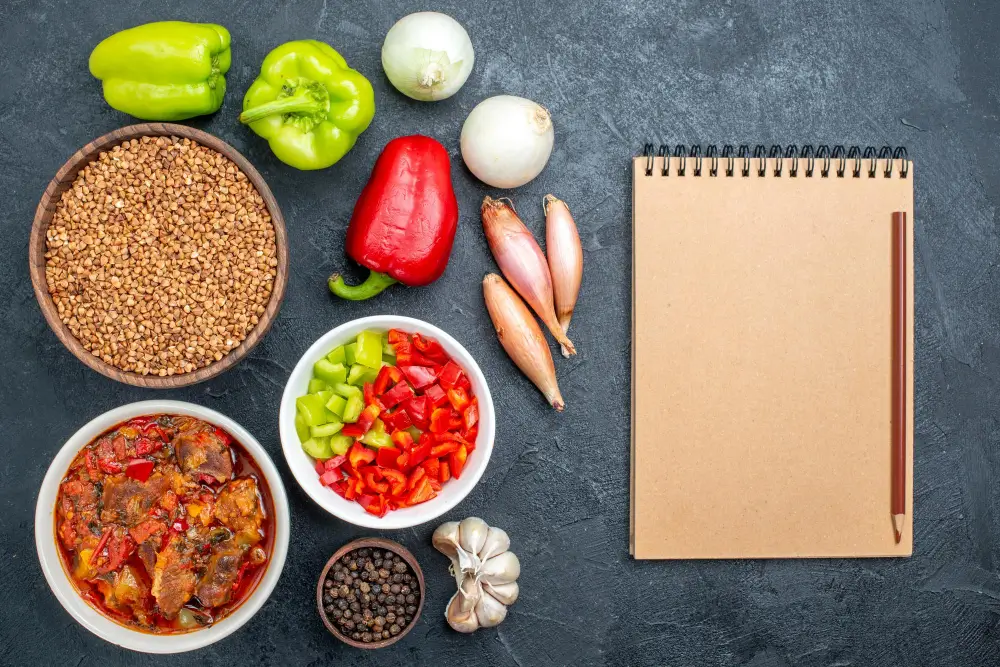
(761, 354)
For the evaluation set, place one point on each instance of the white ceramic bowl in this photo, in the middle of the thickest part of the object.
(303, 466)
(96, 622)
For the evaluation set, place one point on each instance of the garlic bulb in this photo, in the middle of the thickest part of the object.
(485, 571)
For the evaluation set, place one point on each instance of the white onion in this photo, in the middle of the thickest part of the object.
(427, 56)
(507, 140)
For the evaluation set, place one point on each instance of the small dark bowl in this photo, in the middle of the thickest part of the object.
(371, 543)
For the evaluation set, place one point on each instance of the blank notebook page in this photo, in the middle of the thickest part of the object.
(762, 312)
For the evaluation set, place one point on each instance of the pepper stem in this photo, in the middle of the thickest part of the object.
(375, 283)
(293, 104)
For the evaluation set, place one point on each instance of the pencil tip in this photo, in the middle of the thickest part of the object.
(896, 518)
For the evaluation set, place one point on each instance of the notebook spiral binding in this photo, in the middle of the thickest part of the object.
(792, 154)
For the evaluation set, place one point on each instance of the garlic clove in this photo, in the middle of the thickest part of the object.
(472, 534)
(497, 541)
(445, 539)
(505, 593)
(462, 621)
(501, 569)
(469, 592)
(490, 611)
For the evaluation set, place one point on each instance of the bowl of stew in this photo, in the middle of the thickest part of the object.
(162, 526)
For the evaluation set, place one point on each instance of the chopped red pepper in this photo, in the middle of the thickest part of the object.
(436, 394)
(397, 335)
(139, 469)
(419, 409)
(470, 438)
(179, 525)
(436, 485)
(373, 504)
(352, 430)
(458, 399)
(387, 457)
(320, 468)
(430, 349)
(340, 488)
(403, 462)
(144, 446)
(456, 461)
(421, 493)
(353, 489)
(120, 547)
(100, 545)
(388, 376)
(440, 420)
(358, 455)
(470, 415)
(109, 466)
(419, 453)
(329, 477)
(402, 346)
(403, 439)
(368, 417)
(449, 374)
(432, 467)
(463, 383)
(437, 451)
(335, 462)
(399, 393)
(396, 479)
(419, 376)
(223, 436)
(415, 477)
(445, 472)
(397, 420)
(372, 481)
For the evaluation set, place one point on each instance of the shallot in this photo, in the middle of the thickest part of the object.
(522, 263)
(521, 337)
(565, 255)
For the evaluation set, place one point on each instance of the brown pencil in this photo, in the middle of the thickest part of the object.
(898, 502)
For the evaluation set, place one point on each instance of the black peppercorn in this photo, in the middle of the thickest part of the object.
(349, 624)
(355, 607)
(365, 587)
(376, 589)
(390, 599)
(385, 634)
(382, 611)
(399, 568)
(366, 637)
(344, 590)
(338, 575)
(404, 589)
(356, 636)
(348, 613)
(390, 617)
(411, 609)
(342, 604)
(411, 598)
(383, 574)
(329, 608)
(394, 629)
(327, 599)
(328, 583)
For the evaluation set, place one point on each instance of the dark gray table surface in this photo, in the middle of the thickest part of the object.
(615, 74)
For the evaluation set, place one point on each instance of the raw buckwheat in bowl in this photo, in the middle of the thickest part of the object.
(158, 255)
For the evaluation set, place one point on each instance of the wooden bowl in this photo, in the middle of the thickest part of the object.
(371, 543)
(63, 180)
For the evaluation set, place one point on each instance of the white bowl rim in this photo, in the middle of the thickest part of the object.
(95, 621)
(344, 509)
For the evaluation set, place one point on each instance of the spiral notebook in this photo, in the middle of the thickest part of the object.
(761, 343)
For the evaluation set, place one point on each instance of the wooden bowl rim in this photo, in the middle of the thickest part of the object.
(45, 211)
(373, 543)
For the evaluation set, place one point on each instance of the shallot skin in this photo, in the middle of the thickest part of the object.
(565, 255)
(522, 262)
(522, 338)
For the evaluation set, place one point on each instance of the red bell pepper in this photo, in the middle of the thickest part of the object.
(458, 399)
(402, 439)
(421, 493)
(320, 468)
(365, 421)
(397, 335)
(340, 488)
(139, 469)
(438, 451)
(387, 457)
(335, 462)
(397, 420)
(470, 415)
(436, 394)
(432, 467)
(431, 349)
(419, 409)
(456, 461)
(358, 455)
(445, 472)
(373, 504)
(401, 392)
(415, 477)
(374, 484)
(440, 420)
(449, 374)
(387, 377)
(419, 376)
(329, 477)
(419, 453)
(436, 485)
(404, 222)
(397, 481)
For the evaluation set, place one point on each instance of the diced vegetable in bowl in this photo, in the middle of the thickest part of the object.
(388, 419)
(407, 431)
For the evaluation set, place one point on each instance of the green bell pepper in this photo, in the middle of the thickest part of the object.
(170, 70)
(308, 104)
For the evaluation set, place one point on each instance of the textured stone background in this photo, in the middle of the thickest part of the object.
(614, 73)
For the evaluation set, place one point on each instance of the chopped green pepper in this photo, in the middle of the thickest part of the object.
(376, 436)
(325, 430)
(369, 350)
(329, 372)
(346, 390)
(336, 404)
(313, 410)
(301, 427)
(308, 104)
(339, 444)
(352, 409)
(316, 385)
(318, 448)
(361, 374)
(337, 356)
(349, 350)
